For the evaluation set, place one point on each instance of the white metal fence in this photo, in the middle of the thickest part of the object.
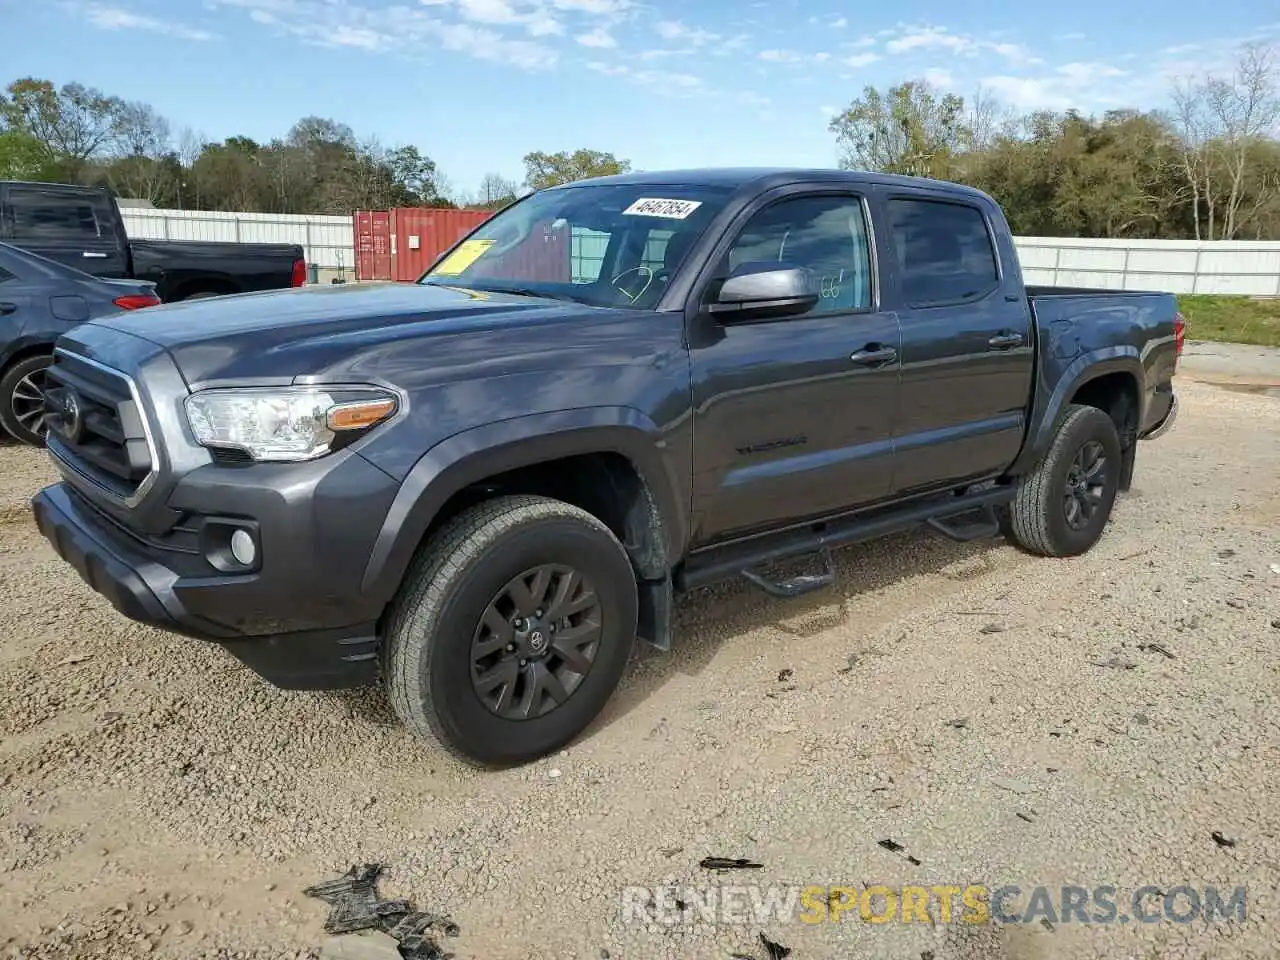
(1177, 266)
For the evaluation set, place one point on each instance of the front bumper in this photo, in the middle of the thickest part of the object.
(1164, 425)
(138, 582)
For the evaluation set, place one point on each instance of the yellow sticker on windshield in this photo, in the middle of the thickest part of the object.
(468, 252)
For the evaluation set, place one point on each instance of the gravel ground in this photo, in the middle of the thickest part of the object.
(999, 716)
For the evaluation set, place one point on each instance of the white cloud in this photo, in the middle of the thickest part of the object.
(117, 18)
(405, 29)
(1078, 85)
(598, 38)
(658, 82)
(932, 39)
(863, 42)
(861, 60)
(678, 32)
(1180, 48)
(839, 23)
(1071, 36)
(828, 111)
(938, 77)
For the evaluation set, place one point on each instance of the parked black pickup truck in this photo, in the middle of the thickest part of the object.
(486, 485)
(82, 227)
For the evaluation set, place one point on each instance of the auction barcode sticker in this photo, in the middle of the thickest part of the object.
(659, 207)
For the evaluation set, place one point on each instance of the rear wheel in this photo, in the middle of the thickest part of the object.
(512, 630)
(22, 410)
(1062, 507)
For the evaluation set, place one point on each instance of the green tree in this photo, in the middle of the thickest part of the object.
(909, 129)
(544, 170)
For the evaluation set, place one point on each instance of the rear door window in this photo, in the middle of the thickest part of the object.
(944, 251)
(57, 216)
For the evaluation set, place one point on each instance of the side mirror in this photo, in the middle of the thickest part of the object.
(763, 289)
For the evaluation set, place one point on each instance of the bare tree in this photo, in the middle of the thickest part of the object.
(1222, 121)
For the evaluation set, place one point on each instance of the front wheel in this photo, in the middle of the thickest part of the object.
(1062, 507)
(22, 410)
(512, 630)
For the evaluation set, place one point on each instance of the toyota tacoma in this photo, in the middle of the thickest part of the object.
(483, 487)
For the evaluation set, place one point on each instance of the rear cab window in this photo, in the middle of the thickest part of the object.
(43, 215)
(944, 249)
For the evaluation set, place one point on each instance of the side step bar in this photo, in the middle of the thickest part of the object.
(939, 513)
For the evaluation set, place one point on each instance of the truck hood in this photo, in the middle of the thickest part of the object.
(280, 334)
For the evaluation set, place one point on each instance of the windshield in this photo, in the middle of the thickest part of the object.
(605, 245)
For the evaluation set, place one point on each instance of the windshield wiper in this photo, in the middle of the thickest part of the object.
(531, 292)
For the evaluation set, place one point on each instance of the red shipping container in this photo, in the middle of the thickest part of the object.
(373, 244)
(420, 234)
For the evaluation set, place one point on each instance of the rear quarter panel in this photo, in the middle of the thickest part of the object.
(1085, 335)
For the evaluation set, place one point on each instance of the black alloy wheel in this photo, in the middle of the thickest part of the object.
(536, 642)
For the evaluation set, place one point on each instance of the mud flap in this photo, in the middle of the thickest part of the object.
(657, 603)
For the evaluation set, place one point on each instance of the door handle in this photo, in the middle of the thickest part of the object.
(94, 256)
(873, 354)
(1006, 340)
(7, 308)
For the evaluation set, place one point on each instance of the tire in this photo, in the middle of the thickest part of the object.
(201, 295)
(1040, 516)
(17, 401)
(427, 652)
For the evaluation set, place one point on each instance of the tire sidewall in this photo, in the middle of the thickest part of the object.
(8, 383)
(446, 669)
(1091, 425)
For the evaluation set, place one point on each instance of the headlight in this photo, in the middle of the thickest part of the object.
(287, 423)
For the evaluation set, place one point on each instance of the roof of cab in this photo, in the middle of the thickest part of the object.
(766, 177)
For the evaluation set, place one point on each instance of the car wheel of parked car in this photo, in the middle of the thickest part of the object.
(1062, 507)
(512, 630)
(22, 400)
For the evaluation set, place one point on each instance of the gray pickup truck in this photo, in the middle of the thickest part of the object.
(481, 488)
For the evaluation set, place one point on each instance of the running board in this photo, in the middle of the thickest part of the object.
(982, 529)
(740, 559)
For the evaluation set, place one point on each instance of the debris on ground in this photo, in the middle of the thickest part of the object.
(1013, 786)
(774, 950)
(727, 863)
(894, 847)
(1115, 663)
(785, 674)
(1026, 817)
(1221, 840)
(1156, 647)
(960, 723)
(994, 628)
(74, 659)
(357, 907)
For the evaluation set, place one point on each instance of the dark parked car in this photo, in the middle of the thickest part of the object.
(40, 300)
(82, 227)
(486, 485)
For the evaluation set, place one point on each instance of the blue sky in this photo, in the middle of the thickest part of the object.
(478, 83)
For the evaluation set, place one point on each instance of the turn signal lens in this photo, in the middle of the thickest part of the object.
(360, 414)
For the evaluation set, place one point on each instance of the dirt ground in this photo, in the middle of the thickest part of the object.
(1005, 719)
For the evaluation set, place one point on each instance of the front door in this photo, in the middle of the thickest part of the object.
(72, 225)
(794, 416)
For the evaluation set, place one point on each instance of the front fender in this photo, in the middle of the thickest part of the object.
(1050, 405)
(469, 457)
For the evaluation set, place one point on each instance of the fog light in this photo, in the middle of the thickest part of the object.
(243, 548)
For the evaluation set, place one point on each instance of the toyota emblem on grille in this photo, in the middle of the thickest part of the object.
(63, 407)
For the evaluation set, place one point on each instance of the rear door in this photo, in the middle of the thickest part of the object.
(794, 416)
(77, 226)
(967, 351)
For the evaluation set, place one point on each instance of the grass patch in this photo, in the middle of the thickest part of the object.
(1232, 319)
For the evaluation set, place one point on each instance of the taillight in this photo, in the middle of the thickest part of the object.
(136, 301)
(1179, 335)
(299, 276)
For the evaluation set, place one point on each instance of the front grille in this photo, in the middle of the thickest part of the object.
(96, 426)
